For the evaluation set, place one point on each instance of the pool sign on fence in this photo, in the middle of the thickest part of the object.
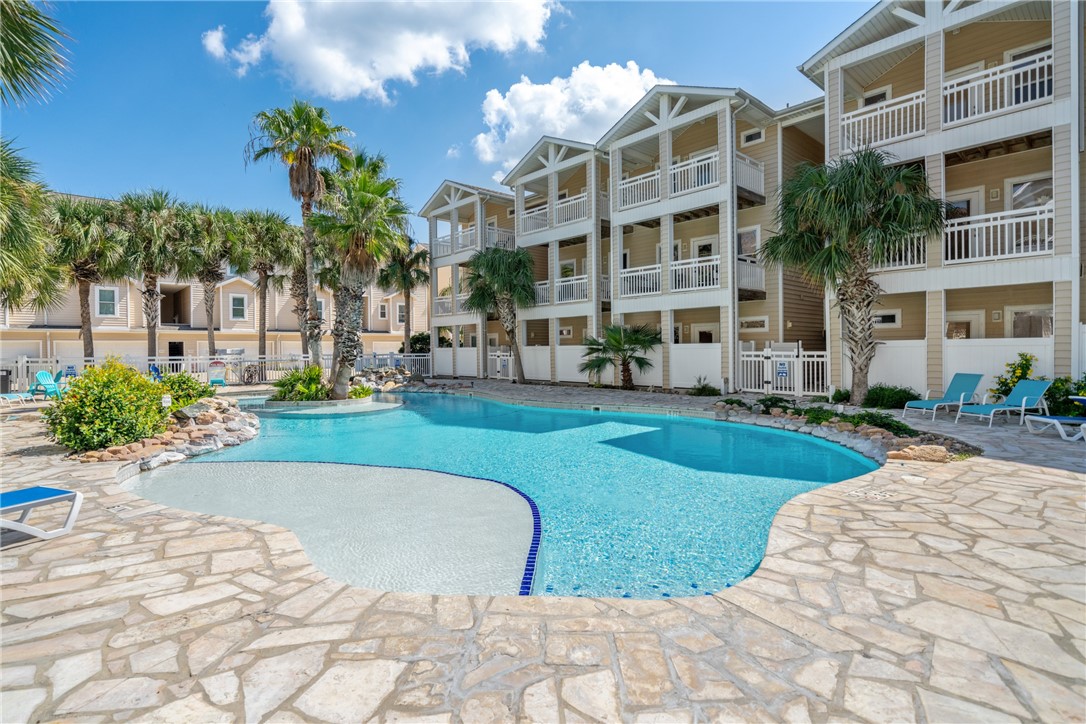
(782, 369)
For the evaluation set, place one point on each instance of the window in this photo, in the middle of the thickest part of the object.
(106, 301)
(754, 324)
(565, 333)
(511, 212)
(1028, 321)
(1032, 81)
(320, 308)
(1028, 192)
(876, 95)
(748, 240)
(749, 138)
(401, 314)
(239, 307)
(965, 325)
(887, 319)
(567, 269)
(382, 311)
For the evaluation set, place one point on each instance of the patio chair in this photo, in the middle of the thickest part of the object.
(1027, 395)
(1069, 428)
(961, 390)
(155, 372)
(25, 500)
(47, 386)
(10, 398)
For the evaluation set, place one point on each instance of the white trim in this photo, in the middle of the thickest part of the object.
(887, 89)
(1008, 318)
(1008, 186)
(712, 239)
(320, 308)
(1008, 55)
(896, 324)
(743, 142)
(710, 327)
(973, 193)
(973, 316)
(116, 301)
(244, 308)
(401, 313)
(382, 311)
(565, 333)
(676, 330)
(764, 319)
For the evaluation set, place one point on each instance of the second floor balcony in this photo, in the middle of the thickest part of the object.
(687, 274)
(1002, 235)
(467, 239)
(701, 171)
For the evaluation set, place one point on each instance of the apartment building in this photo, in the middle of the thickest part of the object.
(988, 98)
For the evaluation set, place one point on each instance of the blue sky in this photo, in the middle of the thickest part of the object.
(160, 94)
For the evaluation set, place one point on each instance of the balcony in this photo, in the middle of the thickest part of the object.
(543, 292)
(691, 274)
(453, 243)
(1007, 87)
(886, 122)
(1003, 235)
(749, 274)
(534, 220)
(500, 239)
(913, 255)
(749, 174)
(605, 288)
(443, 305)
(571, 289)
(461, 299)
(443, 245)
(695, 174)
(639, 281)
(643, 189)
(572, 209)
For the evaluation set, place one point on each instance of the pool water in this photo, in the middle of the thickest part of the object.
(641, 506)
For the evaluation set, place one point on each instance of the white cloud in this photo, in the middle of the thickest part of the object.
(581, 107)
(454, 151)
(214, 41)
(351, 49)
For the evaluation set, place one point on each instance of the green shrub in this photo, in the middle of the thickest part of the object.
(360, 392)
(1061, 389)
(841, 396)
(889, 397)
(111, 404)
(702, 388)
(736, 401)
(820, 398)
(305, 385)
(771, 401)
(818, 415)
(185, 389)
(1019, 369)
(881, 419)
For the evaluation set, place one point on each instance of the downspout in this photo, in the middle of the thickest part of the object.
(733, 291)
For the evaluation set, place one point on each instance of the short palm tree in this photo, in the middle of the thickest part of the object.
(837, 221)
(407, 269)
(300, 137)
(26, 276)
(31, 57)
(273, 243)
(500, 281)
(365, 222)
(89, 245)
(215, 244)
(621, 347)
(155, 243)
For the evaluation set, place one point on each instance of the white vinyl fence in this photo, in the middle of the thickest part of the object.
(784, 372)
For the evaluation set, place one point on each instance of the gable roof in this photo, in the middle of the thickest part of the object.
(437, 198)
(522, 165)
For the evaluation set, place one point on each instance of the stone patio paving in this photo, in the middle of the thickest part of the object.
(918, 592)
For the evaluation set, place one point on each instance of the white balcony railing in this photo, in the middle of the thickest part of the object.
(689, 274)
(892, 120)
(749, 174)
(912, 255)
(696, 173)
(749, 274)
(639, 190)
(460, 301)
(443, 305)
(571, 289)
(605, 288)
(443, 245)
(500, 239)
(572, 209)
(465, 239)
(638, 281)
(534, 220)
(995, 90)
(1003, 235)
(542, 292)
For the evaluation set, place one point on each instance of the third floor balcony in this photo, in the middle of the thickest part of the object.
(700, 171)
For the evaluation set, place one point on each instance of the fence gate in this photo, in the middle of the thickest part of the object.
(786, 372)
(500, 365)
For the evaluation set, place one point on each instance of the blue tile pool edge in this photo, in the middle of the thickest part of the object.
(528, 578)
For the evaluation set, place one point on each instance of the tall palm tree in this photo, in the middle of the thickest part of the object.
(89, 245)
(300, 137)
(622, 347)
(152, 222)
(407, 269)
(366, 221)
(273, 243)
(215, 244)
(837, 221)
(31, 55)
(499, 282)
(26, 276)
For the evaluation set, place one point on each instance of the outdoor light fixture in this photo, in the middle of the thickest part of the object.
(167, 400)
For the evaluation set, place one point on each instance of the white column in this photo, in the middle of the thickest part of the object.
(480, 223)
(518, 194)
(455, 269)
(552, 269)
(454, 232)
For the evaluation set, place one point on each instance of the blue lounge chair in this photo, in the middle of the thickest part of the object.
(47, 386)
(1027, 395)
(959, 392)
(10, 398)
(1069, 428)
(155, 372)
(25, 500)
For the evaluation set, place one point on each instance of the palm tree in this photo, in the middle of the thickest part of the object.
(273, 243)
(215, 244)
(32, 59)
(622, 347)
(25, 272)
(499, 282)
(407, 269)
(89, 245)
(365, 223)
(837, 221)
(154, 232)
(300, 137)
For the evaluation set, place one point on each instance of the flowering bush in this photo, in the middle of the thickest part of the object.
(1019, 369)
(1057, 396)
(185, 389)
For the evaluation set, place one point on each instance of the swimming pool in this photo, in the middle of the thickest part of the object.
(641, 506)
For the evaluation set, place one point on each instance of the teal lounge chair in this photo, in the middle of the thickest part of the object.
(47, 386)
(25, 500)
(1069, 428)
(959, 392)
(10, 398)
(1026, 396)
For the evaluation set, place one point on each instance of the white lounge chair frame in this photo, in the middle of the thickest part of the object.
(1040, 423)
(21, 526)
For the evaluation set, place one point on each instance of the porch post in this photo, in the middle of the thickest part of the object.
(667, 321)
(455, 347)
(552, 332)
(667, 234)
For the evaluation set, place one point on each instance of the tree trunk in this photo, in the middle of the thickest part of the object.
(152, 310)
(313, 322)
(627, 375)
(346, 332)
(301, 303)
(407, 321)
(507, 314)
(209, 315)
(856, 298)
(262, 313)
(85, 318)
(339, 304)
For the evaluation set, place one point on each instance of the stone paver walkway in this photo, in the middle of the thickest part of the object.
(919, 592)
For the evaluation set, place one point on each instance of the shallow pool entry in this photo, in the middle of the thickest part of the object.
(639, 506)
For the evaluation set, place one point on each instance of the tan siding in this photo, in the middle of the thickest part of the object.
(698, 136)
(579, 326)
(1061, 180)
(935, 340)
(1063, 48)
(759, 308)
(991, 174)
(905, 78)
(641, 243)
(702, 315)
(575, 182)
(987, 41)
(995, 299)
(223, 307)
(913, 316)
(796, 148)
(538, 332)
(933, 82)
(1061, 328)
(833, 112)
(833, 339)
(933, 167)
(804, 308)
(500, 210)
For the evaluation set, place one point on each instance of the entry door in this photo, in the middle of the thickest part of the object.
(964, 243)
(963, 102)
(175, 349)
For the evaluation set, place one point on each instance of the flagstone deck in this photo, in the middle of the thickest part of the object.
(918, 592)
